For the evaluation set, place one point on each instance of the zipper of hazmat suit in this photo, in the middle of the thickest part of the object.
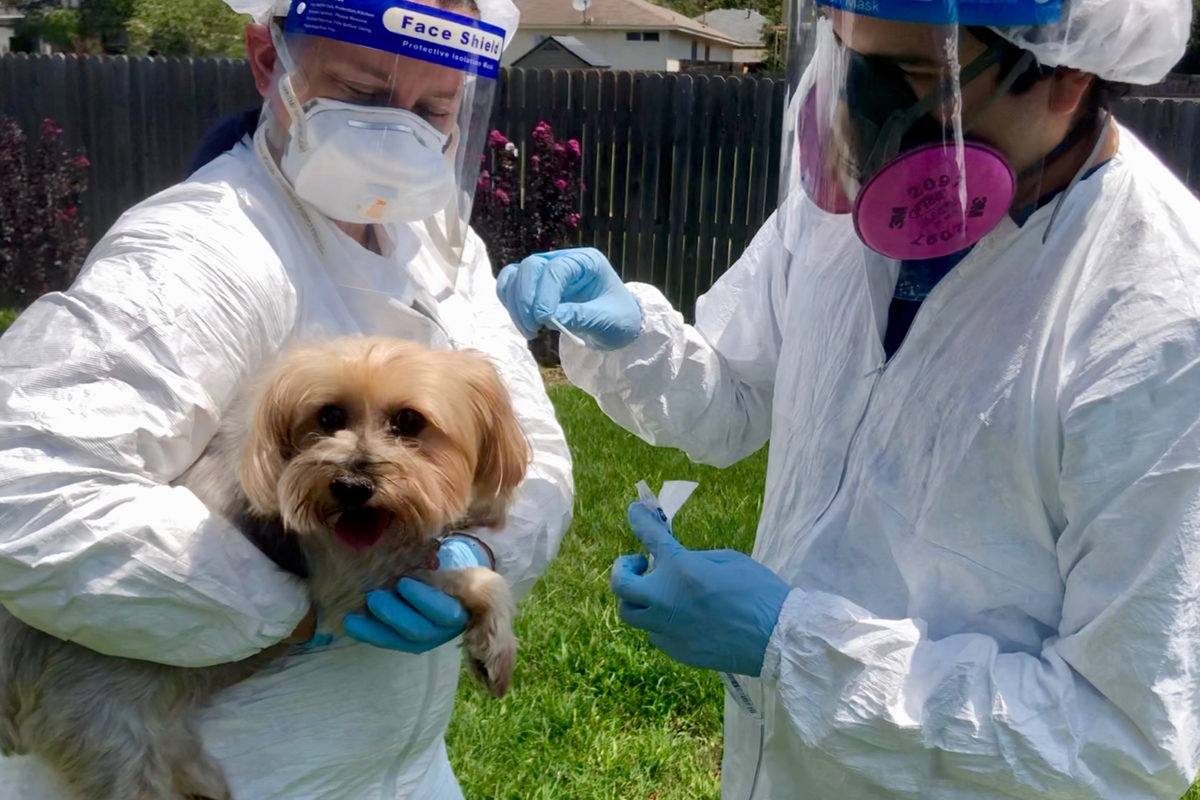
(927, 308)
(877, 375)
(762, 741)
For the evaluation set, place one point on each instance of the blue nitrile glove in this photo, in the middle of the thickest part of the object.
(576, 287)
(416, 617)
(713, 609)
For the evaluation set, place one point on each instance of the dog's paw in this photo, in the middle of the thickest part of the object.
(490, 643)
(492, 653)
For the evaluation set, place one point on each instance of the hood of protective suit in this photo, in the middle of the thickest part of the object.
(1125, 41)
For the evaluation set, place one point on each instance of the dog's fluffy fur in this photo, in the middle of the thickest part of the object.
(356, 455)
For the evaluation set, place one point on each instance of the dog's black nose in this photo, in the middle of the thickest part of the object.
(351, 491)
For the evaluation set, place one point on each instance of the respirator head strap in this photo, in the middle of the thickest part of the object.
(902, 120)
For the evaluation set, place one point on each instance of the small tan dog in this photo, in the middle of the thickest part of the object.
(353, 456)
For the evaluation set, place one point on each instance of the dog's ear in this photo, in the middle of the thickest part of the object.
(267, 443)
(504, 453)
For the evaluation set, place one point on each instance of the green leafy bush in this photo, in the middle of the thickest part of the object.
(192, 28)
(7, 315)
(42, 239)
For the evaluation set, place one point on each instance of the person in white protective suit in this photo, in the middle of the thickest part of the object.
(971, 335)
(344, 213)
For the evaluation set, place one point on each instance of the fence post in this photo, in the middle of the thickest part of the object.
(683, 106)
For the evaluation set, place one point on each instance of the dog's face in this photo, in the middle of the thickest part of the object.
(366, 438)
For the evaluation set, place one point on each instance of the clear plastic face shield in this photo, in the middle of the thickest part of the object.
(921, 121)
(381, 108)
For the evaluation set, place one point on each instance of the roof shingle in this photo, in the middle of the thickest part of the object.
(621, 14)
(742, 24)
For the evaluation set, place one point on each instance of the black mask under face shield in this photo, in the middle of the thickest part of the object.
(886, 117)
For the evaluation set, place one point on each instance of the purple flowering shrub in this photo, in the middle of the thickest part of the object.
(42, 239)
(545, 215)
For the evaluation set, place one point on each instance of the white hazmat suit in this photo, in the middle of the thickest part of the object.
(993, 538)
(110, 390)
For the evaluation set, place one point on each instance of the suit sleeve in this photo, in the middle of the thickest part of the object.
(705, 389)
(108, 393)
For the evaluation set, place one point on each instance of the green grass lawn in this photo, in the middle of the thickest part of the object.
(7, 315)
(595, 712)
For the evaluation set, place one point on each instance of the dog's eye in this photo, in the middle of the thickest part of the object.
(331, 418)
(407, 423)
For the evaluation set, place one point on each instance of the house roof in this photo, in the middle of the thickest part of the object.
(742, 24)
(630, 15)
(582, 51)
(574, 47)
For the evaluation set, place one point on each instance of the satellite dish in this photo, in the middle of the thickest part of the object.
(581, 5)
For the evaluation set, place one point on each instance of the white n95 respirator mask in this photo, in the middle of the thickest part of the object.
(338, 146)
(367, 164)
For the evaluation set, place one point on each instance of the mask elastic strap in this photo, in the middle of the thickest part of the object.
(1006, 83)
(264, 155)
(901, 121)
(1087, 165)
(287, 93)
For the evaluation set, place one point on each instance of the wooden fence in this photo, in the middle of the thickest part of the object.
(679, 168)
(1170, 125)
(1176, 85)
(137, 119)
